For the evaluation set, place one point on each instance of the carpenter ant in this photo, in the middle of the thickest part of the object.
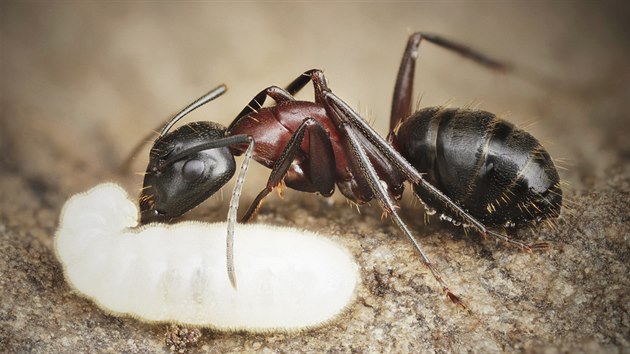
(470, 165)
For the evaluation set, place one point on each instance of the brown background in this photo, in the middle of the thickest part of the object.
(81, 82)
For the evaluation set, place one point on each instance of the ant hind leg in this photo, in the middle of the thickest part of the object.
(403, 89)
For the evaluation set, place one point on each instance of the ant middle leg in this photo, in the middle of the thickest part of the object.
(383, 195)
(345, 123)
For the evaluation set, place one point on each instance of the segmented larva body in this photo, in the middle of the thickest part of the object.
(497, 172)
(287, 279)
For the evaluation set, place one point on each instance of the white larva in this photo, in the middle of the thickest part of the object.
(287, 279)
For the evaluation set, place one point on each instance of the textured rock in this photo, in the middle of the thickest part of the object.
(82, 82)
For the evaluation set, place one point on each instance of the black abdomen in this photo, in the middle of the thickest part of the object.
(500, 174)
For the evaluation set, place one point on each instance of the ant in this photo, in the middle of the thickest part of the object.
(479, 171)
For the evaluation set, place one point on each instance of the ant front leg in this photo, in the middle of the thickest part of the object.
(403, 90)
(321, 162)
(234, 202)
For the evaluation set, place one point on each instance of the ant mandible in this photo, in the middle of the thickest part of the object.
(479, 169)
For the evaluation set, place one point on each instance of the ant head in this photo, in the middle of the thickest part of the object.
(178, 178)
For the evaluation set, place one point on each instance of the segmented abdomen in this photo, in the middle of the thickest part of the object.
(499, 173)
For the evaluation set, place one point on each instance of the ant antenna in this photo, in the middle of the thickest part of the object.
(212, 94)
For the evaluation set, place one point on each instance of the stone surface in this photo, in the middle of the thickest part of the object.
(81, 82)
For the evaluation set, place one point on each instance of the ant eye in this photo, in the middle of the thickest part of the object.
(193, 169)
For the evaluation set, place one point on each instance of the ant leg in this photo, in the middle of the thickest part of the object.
(319, 83)
(385, 199)
(231, 219)
(344, 112)
(298, 84)
(321, 159)
(276, 93)
(209, 96)
(403, 90)
(344, 122)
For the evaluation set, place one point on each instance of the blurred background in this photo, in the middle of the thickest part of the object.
(81, 82)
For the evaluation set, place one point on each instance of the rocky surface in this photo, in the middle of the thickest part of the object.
(82, 82)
